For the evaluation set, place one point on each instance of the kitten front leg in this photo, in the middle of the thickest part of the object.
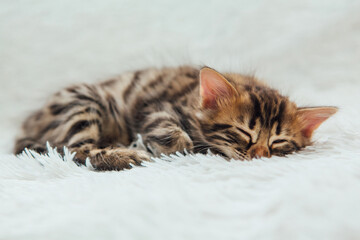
(163, 134)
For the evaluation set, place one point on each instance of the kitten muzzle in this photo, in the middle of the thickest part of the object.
(260, 152)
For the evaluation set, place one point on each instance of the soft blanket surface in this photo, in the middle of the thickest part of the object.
(308, 49)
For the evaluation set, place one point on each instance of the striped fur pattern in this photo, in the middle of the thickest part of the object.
(232, 115)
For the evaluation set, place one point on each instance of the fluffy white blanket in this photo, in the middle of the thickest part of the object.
(308, 49)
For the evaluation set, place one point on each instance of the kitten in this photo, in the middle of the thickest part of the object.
(173, 109)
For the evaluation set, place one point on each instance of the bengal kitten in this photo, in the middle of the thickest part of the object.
(173, 109)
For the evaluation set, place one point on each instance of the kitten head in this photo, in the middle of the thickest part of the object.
(242, 118)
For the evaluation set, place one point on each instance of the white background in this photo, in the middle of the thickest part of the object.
(309, 50)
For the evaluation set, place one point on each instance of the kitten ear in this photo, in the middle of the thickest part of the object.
(312, 118)
(214, 86)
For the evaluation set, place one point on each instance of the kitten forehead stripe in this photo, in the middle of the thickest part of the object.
(257, 111)
(279, 117)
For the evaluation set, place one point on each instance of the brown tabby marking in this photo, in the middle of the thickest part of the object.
(232, 115)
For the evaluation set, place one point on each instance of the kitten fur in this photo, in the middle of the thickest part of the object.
(233, 115)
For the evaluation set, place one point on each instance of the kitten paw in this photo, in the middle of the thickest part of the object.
(168, 142)
(117, 159)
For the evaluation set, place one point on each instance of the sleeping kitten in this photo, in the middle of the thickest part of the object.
(173, 109)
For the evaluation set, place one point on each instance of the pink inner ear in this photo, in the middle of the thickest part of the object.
(213, 86)
(313, 117)
(310, 125)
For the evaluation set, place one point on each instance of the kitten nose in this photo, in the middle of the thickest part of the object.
(260, 152)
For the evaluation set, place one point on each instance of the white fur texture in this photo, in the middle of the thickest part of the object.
(310, 50)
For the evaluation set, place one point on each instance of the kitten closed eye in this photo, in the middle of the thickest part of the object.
(281, 147)
(279, 142)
